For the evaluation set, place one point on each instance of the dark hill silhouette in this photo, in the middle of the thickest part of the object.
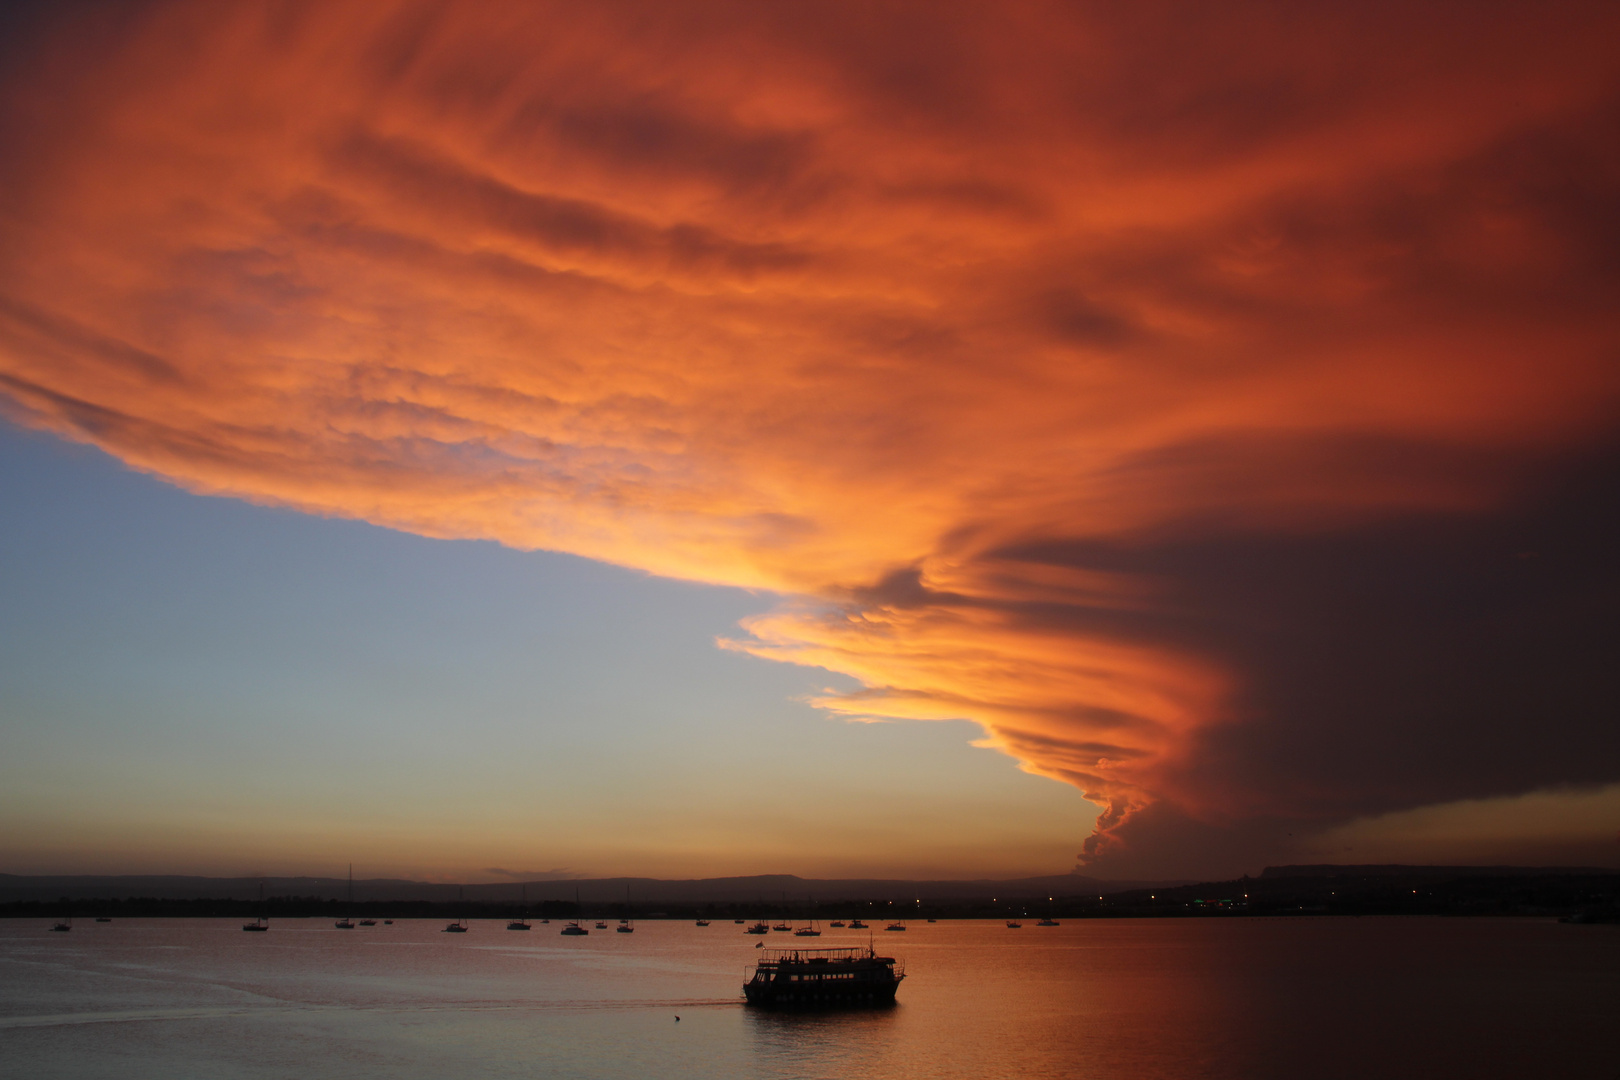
(769, 888)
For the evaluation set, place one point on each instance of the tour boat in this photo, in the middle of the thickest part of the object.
(823, 978)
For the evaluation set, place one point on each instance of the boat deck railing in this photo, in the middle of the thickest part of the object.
(805, 956)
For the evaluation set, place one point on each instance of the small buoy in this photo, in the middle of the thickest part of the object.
(677, 1019)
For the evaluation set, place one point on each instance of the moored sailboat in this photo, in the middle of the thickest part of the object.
(262, 923)
(522, 921)
(460, 925)
(626, 925)
(575, 928)
(347, 922)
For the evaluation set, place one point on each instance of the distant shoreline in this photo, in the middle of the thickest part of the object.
(1590, 893)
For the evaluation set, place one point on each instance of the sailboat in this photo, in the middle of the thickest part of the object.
(263, 921)
(814, 927)
(363, 922)
(574, 929)
(347, 923)
(522, 921)
(64, 925)
(625, 925)
(460, 925)
(898, 924)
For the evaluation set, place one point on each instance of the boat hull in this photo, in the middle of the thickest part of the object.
(876, 995)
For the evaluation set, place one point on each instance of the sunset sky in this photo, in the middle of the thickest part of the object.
(938, 440)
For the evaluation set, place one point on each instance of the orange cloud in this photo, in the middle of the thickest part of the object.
(861, 304)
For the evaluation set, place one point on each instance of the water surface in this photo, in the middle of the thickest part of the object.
(1093, 1000)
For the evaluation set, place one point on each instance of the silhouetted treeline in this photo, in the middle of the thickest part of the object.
(284, 907)
(1588, 896)
(1420, 891)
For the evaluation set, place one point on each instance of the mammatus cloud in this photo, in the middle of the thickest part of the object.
(1059, 363)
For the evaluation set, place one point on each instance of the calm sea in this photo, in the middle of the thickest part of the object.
(1105, 999)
